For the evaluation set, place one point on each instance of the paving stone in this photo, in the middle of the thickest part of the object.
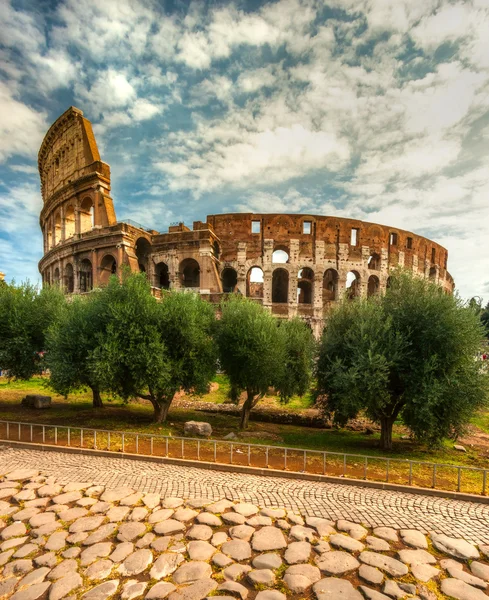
(133, 589)
(221, 560)
(132, 499)
(371, 574)
(294, 518)
(470, 579)
(25, 550)
(220, 506)
(386, 533)
(94, 490)
(57, 541)
(303, 534)
(145, 540)
(46, 560)
(424, 572)
(45, 529)
(297, 552)
(461, 590)
(172, 502)
(219, 538)
(234, 589)
(331, 588)
(160, 544)
(151, 500)
(67, 497)
(130, 531)
(102, 591)
(260, 577)
(99, 535)
(324, 527)
(409, 588)
(136, 563)
(185, 514)
(86, 524)
(241, 532)
(412, 537)
(192, 571)
(259, 521)
(76, 538)
(454, 547)
(14, 530)
(24, 495)
(480, 570)
(195, 591)
(199, 550)
(75, 486)
(321, 547)
(346, 543)
(233, 518)
(198, 502)
(8, 492)
(101, 507)
(371, 594)
(410, 557)
(7, 587)
(160, 515)
(336, 563)
(160, 590)
(34, 577)
(377, 544)
(273, 513)
(165, 565)
(283, 524)
(246, 509)
(268, 538)
(171, 526)
(101, 569)
(200, 532)
(392, 589)
(41, 519)
(270, 560)
(122, 551)
(210, 519)
(237, 549)
(73, 552)
(32, 593)
(299, 578)
(116, 495)
(385, 563)
(138, 514)
(62, 587)
(63, 568)
(84, 502)
(27, 513)
(18, 567)
(235, 572)
(356, 531)
(100, 550)
(13, 543)
(118, 513)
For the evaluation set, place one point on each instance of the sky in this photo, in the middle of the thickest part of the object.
(369, 109)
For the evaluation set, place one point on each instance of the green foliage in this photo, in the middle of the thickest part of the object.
(298, 344)
(152, 350)
(71, 342)
(25, 316)
(250, 349)
(410, 353)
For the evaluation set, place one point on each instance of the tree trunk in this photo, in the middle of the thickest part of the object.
(161, 408)
(97, 400)
(245, 411)
(386, 424)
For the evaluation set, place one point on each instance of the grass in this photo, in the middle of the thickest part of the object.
(77, 411)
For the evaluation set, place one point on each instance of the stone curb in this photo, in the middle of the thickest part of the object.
(394, 487)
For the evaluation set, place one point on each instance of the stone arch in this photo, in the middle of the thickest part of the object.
(373, 285)
(280, 286)
(374, 262)
(353, 281)
(85, 276)
(143, 250)
(69, 279)
(86, 213)
(69, 221)
(432, 273)
(388, 283)
(189, 273)
(56, 276)
(229, 278)
(330, 285)
(305, 286)
(254, 282)
(108, 267)
(57, 228)
(162, 276)
(280, 254)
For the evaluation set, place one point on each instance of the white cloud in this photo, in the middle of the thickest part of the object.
(144, 109)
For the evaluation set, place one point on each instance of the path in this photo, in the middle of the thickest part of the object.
(333, 501)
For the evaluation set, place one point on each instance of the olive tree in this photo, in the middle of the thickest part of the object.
(298, 347)
(26, 314)
(152, 349)
(409, 354)
(251, 350)
(71, 342)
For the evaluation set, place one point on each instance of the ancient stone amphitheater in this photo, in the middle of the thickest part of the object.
(293, 264)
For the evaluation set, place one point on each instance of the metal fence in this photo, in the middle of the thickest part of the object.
(298, 460)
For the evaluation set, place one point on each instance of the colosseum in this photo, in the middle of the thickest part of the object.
(294, 264)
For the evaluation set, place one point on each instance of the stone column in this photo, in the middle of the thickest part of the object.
(63, 223)
(241, 269)
(267, 272)
(292, 292)
(77, 220)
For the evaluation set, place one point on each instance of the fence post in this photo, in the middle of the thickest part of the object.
(410, 472)
(108, 441)
(94, 439)
(19, 432)
(458, 479)
(484, 477)
(231, 454)
(387, 472)
(249, 454)
(266, 457)
(365, 469)
(434, 477)
(305, 461)
(31, 433)
(344, 465)
(285, 460)
(198, 449)
(69, 437)
(215, 452)
(151, 445)
(324, 463)
(81, 438)
(166, 447)
(55, 436)
(183, 448)
(137, 443)
(123, 444)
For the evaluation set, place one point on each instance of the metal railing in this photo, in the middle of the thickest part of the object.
(226, 452)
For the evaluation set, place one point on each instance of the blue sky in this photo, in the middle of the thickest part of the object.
(370, 109)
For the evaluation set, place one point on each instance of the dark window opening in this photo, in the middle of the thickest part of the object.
(280, 286)
(229, 280)
(393, 239)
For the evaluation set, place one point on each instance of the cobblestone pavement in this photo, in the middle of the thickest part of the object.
(93, 542)
(368, 506)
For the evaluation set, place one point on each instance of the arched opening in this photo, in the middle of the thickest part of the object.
(330, 285)
(432, 274)
(86, 215)
(388, 283)
(190, 273)
(305, 286)
(280, 286)
(69, 279)
(56, 276)
(57, 228)
(229, 279)
(215, 249)
(374, 262)
(280, 255)
(69, 222)
(352, 284)
(108, 267)
(143, 250)
(373, 285)
(254, 283)
(162, 276)
(85, 276)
